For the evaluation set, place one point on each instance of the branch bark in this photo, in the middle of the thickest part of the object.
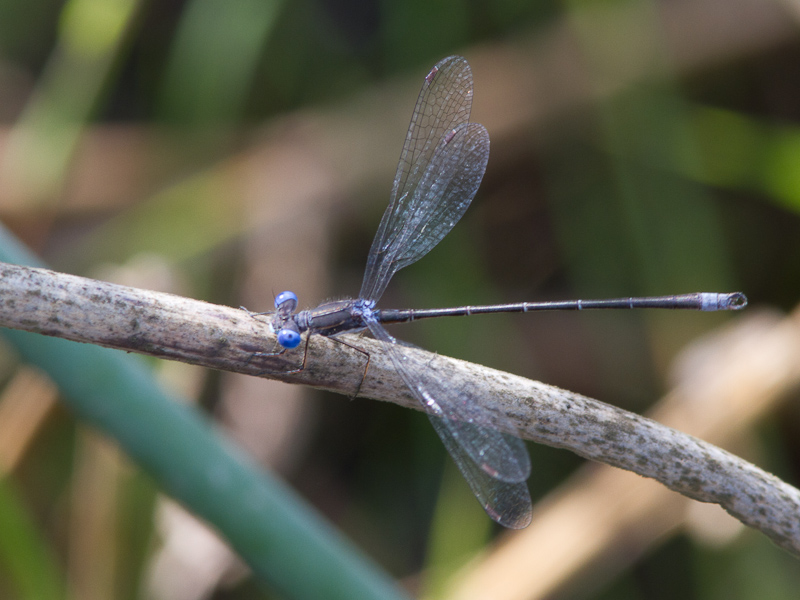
(220, 337)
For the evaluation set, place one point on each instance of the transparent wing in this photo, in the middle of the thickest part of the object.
(444, 102)
(495, 464)
(444, 192)
(441, 166)
(507, 503)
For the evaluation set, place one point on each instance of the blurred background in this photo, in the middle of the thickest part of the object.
(227, 151)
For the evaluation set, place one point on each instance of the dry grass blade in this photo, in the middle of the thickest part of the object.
(724, 386)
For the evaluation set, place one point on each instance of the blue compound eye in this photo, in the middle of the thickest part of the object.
(285, 297)
(288, 338)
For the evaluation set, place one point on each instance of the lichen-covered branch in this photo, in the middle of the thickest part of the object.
(220, 337)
